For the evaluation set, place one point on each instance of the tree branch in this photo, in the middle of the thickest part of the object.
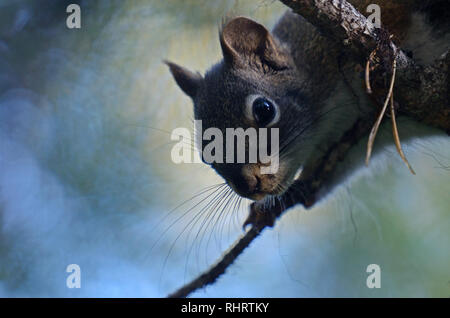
(422, 93)
(219, 268)
(418, 88)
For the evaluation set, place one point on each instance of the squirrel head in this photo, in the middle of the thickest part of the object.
(255, 85)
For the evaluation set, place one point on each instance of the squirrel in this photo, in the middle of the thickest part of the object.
(311, 98)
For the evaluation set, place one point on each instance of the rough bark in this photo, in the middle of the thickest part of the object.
(418, 88)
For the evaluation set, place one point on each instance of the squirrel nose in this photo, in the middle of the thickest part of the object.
(247, 182)
(253, 183)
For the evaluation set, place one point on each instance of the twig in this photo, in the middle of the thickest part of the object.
(219, 268)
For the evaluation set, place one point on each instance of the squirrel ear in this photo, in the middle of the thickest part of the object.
(188, 81)
(242, 39)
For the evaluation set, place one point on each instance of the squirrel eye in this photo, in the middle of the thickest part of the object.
(264, 111)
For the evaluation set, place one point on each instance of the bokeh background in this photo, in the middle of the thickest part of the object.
(86, 176)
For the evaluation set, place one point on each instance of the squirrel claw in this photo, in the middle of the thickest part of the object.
(258, 216)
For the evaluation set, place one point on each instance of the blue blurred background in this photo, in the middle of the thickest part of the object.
(86, 176)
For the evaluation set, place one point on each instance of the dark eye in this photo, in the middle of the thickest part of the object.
(264, 111)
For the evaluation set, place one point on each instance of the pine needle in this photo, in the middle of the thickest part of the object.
(397, 138)
(373, 132)
(367, 77)
(389, 97)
